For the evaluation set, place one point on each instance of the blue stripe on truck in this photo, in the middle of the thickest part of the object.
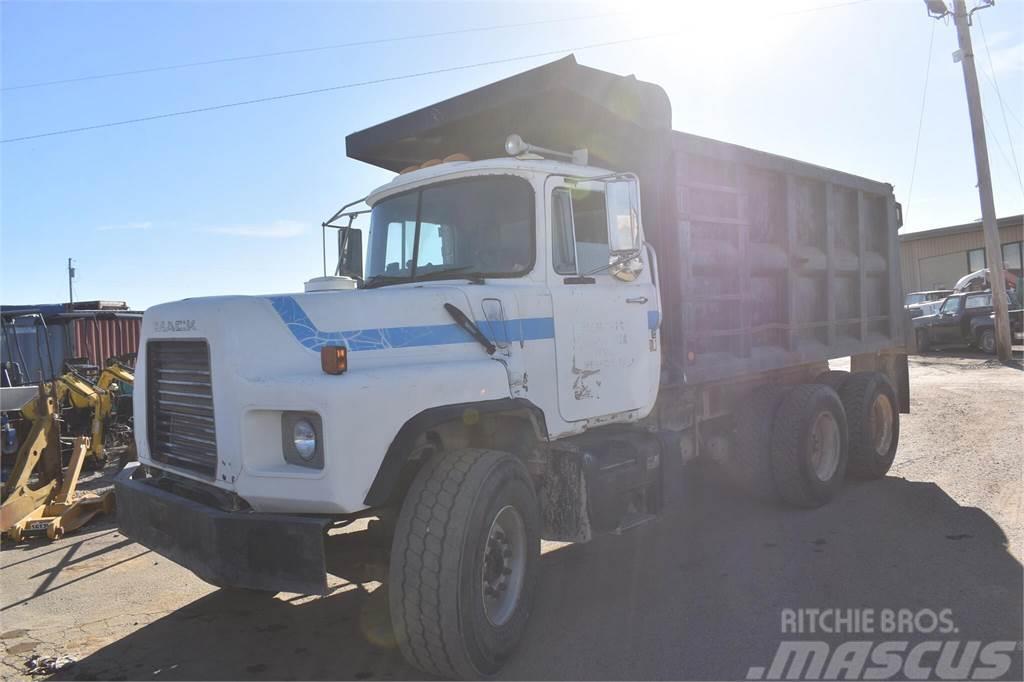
(307, 333)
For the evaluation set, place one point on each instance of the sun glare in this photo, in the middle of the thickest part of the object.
(715, 40)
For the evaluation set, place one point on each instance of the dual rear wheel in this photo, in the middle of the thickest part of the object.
(796, 443)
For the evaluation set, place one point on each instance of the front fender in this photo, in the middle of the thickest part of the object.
(362, 412)
(388, 481)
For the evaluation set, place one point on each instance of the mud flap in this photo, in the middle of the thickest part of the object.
(273, 552)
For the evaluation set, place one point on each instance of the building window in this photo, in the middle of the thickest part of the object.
(975, 260)
(1012, 255)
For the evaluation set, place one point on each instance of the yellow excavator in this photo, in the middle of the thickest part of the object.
(90, 406)
(39, 497)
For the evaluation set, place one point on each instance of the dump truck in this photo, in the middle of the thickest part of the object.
(555, 304)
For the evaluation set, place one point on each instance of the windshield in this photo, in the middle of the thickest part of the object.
(480, 227)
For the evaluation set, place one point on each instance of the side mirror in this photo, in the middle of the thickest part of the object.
(622, 205)
(350, 253)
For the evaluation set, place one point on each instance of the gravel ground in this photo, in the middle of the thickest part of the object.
(695, 594)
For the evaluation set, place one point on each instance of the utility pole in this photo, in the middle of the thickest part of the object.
(993, 249)
(71, 277)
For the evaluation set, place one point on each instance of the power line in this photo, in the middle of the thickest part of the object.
(333, 88)
(301, 50)
(358, 43)
(992, 77)
(920, 120)
(1002, 106)
(1008, 109)
(1002, 152)
(345, 86)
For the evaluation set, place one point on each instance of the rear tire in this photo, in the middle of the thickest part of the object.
(987, 341)
(923, 345)
(750, 466)
(833, 378)
(873, 422)
(464, 563)
(809, 446)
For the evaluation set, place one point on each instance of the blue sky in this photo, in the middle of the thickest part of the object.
(231, 201)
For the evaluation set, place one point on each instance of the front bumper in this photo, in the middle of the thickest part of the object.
(275, 552)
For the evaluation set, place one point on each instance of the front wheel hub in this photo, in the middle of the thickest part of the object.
(504, 565)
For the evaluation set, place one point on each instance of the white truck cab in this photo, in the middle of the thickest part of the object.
(520, 247)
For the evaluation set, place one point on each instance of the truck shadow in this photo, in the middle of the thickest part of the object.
(696, 594)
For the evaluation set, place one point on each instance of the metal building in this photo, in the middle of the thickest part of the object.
(937, 258)
(38, 339)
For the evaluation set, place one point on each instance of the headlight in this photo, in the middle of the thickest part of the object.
(304, 439)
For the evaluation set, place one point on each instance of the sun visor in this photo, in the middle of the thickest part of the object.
(561, 105)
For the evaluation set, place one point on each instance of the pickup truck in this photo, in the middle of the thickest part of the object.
(562, 302)
(963, 320)
(919, 297)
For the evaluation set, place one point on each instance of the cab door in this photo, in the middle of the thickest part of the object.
(946, 326)
(606, 346)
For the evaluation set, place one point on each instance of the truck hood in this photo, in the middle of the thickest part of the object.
(381, 326)
(406, 355)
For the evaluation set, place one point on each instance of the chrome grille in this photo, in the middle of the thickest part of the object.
(180, 395)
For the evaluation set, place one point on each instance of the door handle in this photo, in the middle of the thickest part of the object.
(637, 299)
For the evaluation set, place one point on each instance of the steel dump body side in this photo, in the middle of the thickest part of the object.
(764, 262)
(767, 262)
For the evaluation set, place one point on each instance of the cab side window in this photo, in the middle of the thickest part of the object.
(579, 231)
(951, 305)
(563, 244)
(979, 301)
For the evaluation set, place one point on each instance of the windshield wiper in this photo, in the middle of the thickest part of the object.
(446, 273)
(381, 280)
(470, 327)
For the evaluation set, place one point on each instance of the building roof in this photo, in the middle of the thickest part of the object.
(1007, 221)
(97, 309)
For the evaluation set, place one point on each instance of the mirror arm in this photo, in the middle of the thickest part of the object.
(621, 260)
(341, 211)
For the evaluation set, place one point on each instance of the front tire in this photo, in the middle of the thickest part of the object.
(464, 563)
